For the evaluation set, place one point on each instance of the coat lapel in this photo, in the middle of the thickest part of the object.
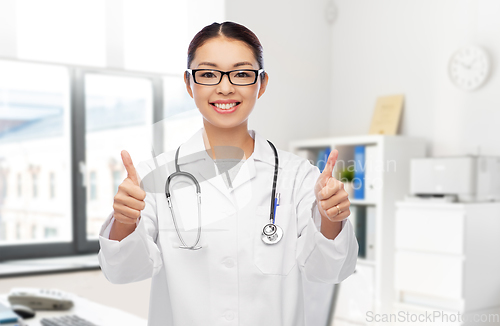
(193, 154)
(194, 151)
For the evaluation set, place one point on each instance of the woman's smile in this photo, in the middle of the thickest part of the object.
(225, 106)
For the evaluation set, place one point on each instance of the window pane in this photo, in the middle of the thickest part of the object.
(117, 179)
(52, 185)
(34, 144)
(62, 31)
(93, 186)
(182, 117)
(119, 115)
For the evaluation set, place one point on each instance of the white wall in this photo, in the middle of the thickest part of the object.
(388, 47)
(297, 56)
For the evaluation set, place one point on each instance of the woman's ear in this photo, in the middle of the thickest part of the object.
(263, 85)
(187, 80)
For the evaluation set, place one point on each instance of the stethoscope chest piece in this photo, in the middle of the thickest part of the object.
(271, 234)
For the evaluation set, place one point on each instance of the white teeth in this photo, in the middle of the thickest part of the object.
(225, 106)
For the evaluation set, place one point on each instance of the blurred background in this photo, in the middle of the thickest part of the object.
(82, 80)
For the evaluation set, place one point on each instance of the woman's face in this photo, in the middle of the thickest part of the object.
(225, 54)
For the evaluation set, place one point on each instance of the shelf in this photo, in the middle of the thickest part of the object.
(373, 218)
(350, 140)
(342, 141)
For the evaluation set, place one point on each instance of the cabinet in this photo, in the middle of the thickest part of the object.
(371, 287)
(448, 257)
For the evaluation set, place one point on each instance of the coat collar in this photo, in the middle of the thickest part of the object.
(194, 150)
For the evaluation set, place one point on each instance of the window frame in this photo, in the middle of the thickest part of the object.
(80, 245)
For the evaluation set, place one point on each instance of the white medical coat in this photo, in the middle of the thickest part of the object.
(235, 279)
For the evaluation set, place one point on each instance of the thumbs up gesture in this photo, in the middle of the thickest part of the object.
(332, 200)
(129, 200)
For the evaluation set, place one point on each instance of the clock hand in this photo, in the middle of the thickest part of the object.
(463, 64)
(470, 65)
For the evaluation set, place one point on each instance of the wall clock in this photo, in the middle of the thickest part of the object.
(469, 67)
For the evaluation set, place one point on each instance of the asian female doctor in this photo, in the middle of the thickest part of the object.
(227, 248)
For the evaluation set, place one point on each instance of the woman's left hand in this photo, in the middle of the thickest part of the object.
(330, 193)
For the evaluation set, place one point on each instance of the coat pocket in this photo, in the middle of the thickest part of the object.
(278, 258)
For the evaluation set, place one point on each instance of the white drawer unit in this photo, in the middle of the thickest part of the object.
(443, 229)
(432, 274)
(447, 256)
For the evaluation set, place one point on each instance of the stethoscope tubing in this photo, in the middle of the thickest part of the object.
(268, 237)
(198, 192)
(275, 179)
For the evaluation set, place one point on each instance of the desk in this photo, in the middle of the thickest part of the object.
(94, 312)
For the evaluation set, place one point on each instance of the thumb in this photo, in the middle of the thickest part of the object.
(131, 172)
(330, 164)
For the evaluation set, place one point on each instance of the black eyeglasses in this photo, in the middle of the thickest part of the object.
(210, 77)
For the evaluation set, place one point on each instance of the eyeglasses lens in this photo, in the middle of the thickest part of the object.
(211, 77)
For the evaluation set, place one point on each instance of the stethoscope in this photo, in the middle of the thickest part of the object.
(271, 233)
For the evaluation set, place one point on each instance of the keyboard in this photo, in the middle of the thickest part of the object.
(71, 320)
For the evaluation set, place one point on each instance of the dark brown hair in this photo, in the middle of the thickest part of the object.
(230, 30)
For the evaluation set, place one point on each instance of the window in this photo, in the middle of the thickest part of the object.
(35, 137)
(117, 180)
(35, 184)
(3, 184)
(93, 186)
(62, 126)
(52, 190)
(50, 232)
(19, 185)
(119, 110)
(3, 230)
(182, 117)
(18, 231)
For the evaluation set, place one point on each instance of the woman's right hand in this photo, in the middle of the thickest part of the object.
(129, 200)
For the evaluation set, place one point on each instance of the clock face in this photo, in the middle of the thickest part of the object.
(469, 67)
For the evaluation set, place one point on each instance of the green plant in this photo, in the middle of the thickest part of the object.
(347, 174)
